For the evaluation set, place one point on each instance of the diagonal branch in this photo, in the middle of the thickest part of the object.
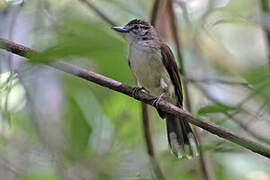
(143, 97)
(145, 110)
(231, 116)
(91, 6)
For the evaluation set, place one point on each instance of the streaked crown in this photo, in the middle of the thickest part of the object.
(139, 30)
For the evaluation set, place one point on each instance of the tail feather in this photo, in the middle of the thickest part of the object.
(181, 138)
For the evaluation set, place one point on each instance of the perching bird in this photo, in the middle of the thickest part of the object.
(155, 70)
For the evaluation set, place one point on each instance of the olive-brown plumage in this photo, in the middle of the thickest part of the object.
(154, 68)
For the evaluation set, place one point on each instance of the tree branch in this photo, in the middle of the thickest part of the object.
(175, 35)
(221, 81)
(231, 116)
(205, 164)
(91, 6)
(265, 8)
(154, 12)
(145, 110)
(143, 97)
(149, 143)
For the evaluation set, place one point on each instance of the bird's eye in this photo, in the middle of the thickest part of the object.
(145, 27)
(136, 27)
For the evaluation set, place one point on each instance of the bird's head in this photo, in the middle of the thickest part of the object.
(137, 30)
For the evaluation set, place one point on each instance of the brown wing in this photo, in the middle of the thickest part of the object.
(171, 66)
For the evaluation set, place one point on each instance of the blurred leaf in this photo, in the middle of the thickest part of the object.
(216, 108)
(103, 176)
(21, 123)
(102, 133)
(221, 147)
(126, 114)
(259, 78)
(132, 8)
(14, 2)
(3, 4)
(232, 20)
(77, 37)
(79, 129)
(41, 176)
(221, 3)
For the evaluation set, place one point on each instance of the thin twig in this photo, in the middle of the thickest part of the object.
(147, 132)
(143, 97)
(205, 165)
(245, 127)
(146, 119)
(154, 12)
(10, 62)
(232, 116)
(99, 12)
(265, 8)
(175, 35)
(149, 143)
(221, 81)
(145, 112)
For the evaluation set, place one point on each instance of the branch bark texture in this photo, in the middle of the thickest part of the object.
(143, 97)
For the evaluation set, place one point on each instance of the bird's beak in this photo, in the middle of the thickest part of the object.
(120, 29)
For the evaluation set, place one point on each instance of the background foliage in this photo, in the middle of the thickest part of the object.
(56, 126)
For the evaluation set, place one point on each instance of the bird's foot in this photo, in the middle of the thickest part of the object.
(135, 90)
(157, 100)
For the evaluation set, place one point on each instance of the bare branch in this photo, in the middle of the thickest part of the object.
(265, 8)
(232, 117)
(245, 127)
(145, 112)
(149, 143)
(144, 97)
(99, 12)
(154, 13)
(221, 81)
(175, 35)
(205, 165)
(147, 132)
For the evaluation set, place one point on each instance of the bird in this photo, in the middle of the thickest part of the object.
(155, 70)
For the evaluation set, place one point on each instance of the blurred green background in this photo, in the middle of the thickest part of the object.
(56, 126)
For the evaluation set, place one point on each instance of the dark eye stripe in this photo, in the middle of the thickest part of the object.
(135, 27)
(141, 26)
(145, 27)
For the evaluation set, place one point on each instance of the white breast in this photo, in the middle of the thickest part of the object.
(148, 69)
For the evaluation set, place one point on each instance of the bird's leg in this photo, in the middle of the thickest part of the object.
(157, 100)
(135, 90)
(164, 89)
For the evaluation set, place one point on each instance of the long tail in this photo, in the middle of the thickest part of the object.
(181, 138)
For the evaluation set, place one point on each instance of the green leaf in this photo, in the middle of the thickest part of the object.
(216, 108)
(232, 20)
(78, 128)
(259, 79)
(104, 176)
(92, 112)
(97, 42)
(41, 176)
